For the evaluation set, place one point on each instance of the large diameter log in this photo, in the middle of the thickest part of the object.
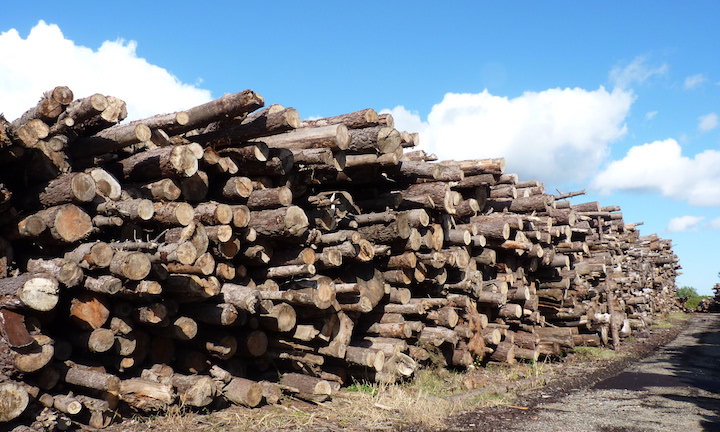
(68, 188)
(66, 223)
(37, 292)
(287, 221)
(242, 391)
(13, 400)
(332, 136)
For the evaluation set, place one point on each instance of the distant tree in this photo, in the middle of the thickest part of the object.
(687, 291)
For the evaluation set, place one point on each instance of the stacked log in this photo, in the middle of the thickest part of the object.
(193, 257)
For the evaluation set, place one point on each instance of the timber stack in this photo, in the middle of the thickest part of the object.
(193, 257)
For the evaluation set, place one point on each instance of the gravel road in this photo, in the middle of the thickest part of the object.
(676, 389)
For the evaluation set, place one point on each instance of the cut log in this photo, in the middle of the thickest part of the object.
(244, 392)
(333, 136)
(33, 291)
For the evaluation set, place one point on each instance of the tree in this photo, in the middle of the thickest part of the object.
(687, 291)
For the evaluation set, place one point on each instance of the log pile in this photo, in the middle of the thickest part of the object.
(710, 304)
(189, 257)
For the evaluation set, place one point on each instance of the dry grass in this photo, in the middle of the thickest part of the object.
(425, 401)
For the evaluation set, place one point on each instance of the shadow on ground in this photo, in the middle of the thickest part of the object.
(695, 365)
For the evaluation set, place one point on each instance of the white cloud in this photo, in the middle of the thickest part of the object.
(714, 223)
(708, 122)
(694, 81)
(554, 135)
(407, 120)
(45, 59)
(659, 166)
(650, 115)
(684, 223)
(636, 72)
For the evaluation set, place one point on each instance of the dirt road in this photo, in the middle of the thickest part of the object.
(676, 389)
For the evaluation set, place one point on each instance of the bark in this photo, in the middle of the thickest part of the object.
(65, 223)
(242, 391)
(335, 137)
(374, 139)
(287, 221)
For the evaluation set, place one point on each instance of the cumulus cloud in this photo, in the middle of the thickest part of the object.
(29, 66)
(554, 135)
(708, 122)
(684, 223)
(660, 166)
(637, 71)
(694, 81)
(650, 115)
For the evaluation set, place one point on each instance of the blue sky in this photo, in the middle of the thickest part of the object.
(614, 76)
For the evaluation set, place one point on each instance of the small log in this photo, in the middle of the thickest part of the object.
(242, 391)
(146, 395)
(333, 136)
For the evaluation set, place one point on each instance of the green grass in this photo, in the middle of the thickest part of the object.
(670, 321)
(490, 399)
(437, 382)
(594, 353)
(362, 387)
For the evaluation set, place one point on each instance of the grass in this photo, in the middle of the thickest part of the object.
(594, 353)
(670, 321)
